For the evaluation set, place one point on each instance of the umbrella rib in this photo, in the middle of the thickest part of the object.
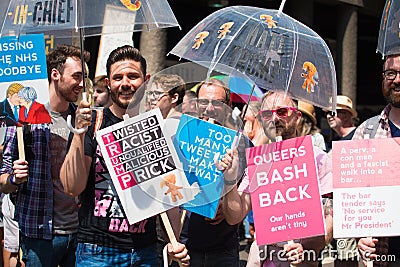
(76, 17)
(4, 21)
(295, 50)
(153, 17)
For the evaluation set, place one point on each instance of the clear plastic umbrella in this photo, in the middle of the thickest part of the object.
(389, 30)
(85, 18)
(31, 16)
(274, 50)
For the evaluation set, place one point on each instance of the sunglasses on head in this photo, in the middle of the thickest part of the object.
(281, 112)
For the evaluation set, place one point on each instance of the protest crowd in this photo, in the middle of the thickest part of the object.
(149, 169)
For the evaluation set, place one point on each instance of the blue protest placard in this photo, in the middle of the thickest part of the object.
(23, 80)
(197, 142)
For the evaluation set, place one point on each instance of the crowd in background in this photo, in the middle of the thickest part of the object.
(59, 178)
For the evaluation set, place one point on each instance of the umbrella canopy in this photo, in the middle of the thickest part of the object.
(33, 16)
(389, 30)
(274, 50)
(241, 89)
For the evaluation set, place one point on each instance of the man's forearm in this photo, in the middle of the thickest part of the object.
(236, 206)
(5, 184)
(75, 169)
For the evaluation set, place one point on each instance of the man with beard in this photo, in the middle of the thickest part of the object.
(279, 117)
(105, 237)
(47, 217)
(212, 242)
(386, 125)
(213, 102)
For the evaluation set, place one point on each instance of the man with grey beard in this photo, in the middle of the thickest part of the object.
(386, 125)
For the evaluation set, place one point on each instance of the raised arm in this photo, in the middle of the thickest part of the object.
(237, 203)
(76, 166)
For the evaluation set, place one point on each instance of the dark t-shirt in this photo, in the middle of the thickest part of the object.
(200, 235)
(349, 136)
(101, 217)
(203, 236)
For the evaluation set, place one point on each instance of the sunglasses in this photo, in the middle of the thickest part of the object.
(333, 114)
(157, 95)
(282, 112)
(330, 113)
(205, 102)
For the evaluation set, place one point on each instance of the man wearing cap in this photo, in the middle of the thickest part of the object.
(343, 121)
(343, 124)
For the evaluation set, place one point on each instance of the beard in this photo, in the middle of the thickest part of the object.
(67, 92)
(392, 99)
(137, 97)
(115, 99)
(279, 128)
(68, 95)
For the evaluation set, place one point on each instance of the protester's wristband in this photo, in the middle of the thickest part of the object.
(232, 182)
(12, 179)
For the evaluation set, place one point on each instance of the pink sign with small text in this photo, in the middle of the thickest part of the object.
(284, 191)
(368, 162)
(366, 186)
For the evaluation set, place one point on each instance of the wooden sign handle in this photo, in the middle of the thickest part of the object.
(170, 231)
(20, 139)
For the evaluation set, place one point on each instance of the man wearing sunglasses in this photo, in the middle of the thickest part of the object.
(279, 117)
(213, 242)
(343, 122)
(213, 101)
(386, 125)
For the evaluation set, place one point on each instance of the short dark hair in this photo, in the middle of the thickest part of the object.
(126, 52)
(100, 81)
(57, 58)
(217, 82)
(172, 83)
(190, 94)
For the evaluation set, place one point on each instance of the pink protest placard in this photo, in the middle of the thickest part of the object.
(366, 186)
(284, 191)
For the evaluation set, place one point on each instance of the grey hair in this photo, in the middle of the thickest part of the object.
(28, 93)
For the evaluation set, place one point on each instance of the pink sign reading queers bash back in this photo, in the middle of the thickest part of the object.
(284, 191)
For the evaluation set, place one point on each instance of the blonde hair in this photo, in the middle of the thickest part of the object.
(14, 88)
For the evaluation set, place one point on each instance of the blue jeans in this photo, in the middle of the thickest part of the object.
(100, 256)
(60, 251)
(215, 258)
